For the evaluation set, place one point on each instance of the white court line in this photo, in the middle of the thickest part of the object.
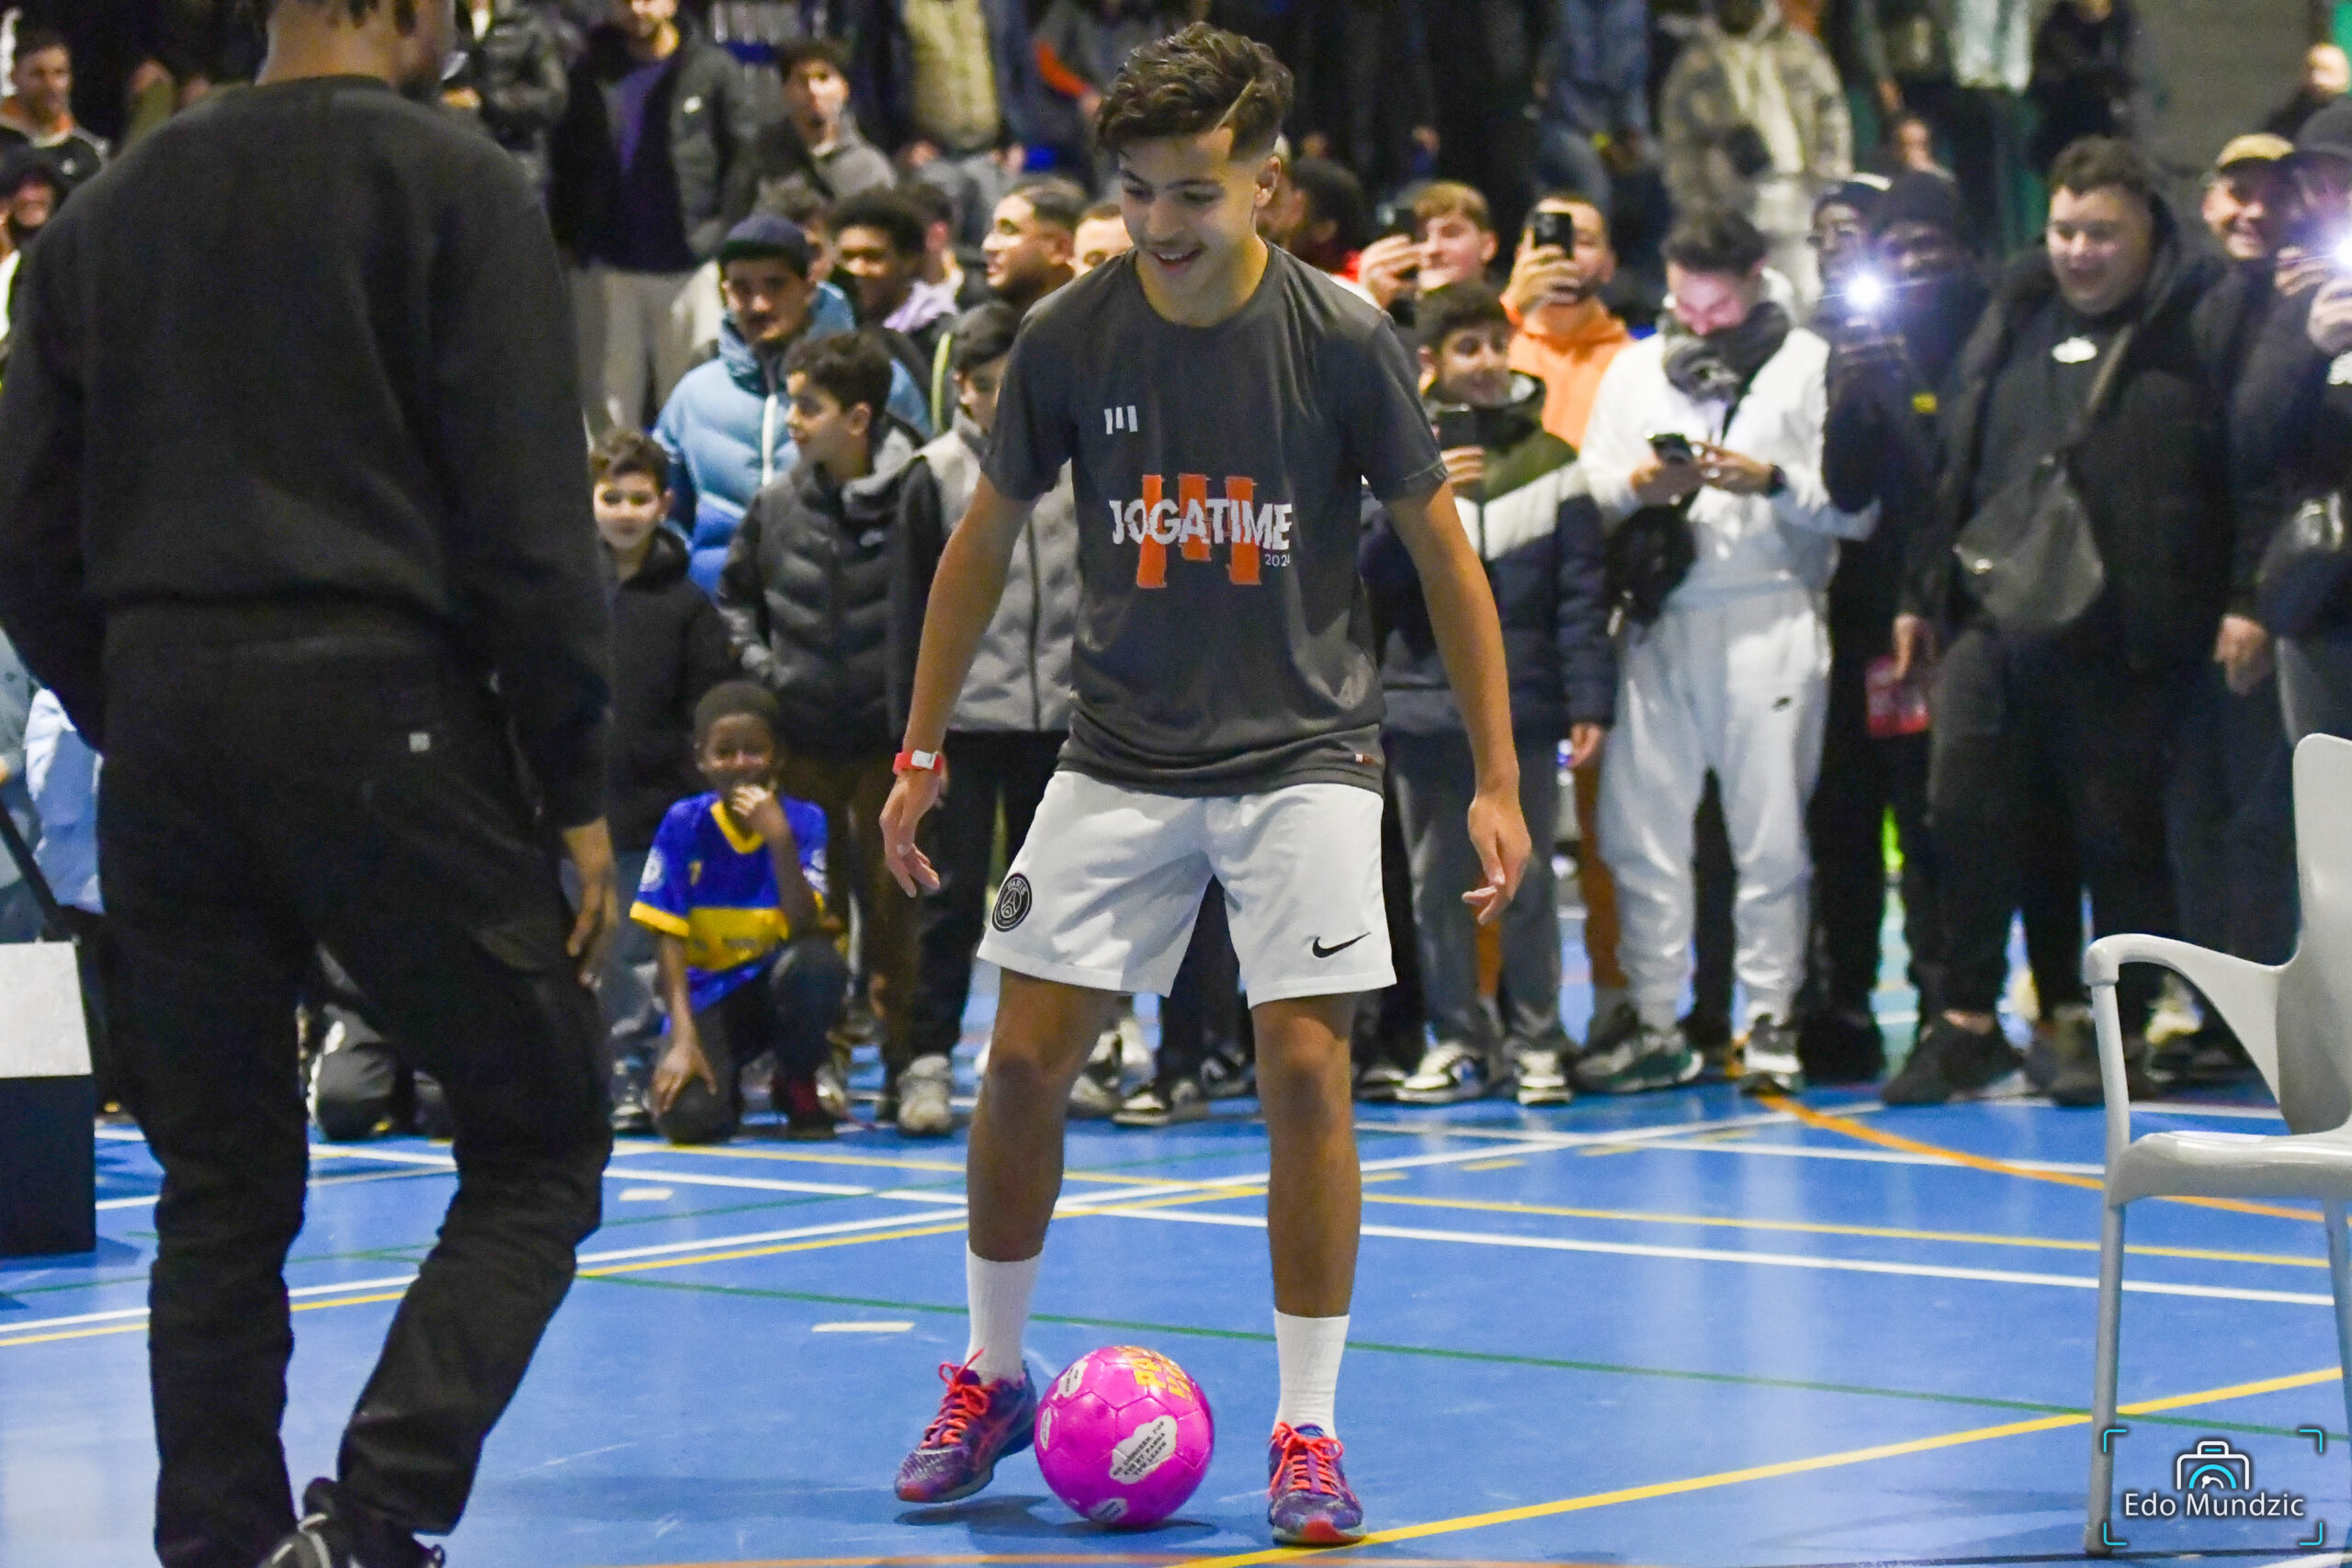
(145, 1199)
(1877, 1157)
(1767, 1259)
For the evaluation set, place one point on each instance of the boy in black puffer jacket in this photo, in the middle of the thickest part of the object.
(806, 593)
(669, 647)
(1536, 526)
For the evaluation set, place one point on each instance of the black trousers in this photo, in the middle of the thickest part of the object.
(1863, 777)
(276, 781)
(1202, 1010)
(789, 1009)
(2232, 821)
(2019, 727)
(986, 769)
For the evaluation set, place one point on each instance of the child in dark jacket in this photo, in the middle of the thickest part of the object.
(1533, 521)
(669, 647)
(806, 594)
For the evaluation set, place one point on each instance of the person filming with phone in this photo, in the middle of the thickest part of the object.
(1714, 427)
(1901, 299)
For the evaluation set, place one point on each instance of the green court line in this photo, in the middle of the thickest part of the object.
(1548, 1363)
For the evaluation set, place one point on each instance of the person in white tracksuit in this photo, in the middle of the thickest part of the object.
(1733, 675)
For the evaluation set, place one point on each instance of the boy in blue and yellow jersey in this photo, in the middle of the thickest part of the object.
(735, 885)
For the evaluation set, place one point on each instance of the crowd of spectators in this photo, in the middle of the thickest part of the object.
(1744, 324)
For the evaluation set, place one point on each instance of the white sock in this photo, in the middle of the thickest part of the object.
(999, 1297)
(1308, 1351)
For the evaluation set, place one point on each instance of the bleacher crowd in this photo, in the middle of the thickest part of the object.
(1881, 474)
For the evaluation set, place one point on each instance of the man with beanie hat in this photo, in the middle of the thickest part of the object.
(1897, 317)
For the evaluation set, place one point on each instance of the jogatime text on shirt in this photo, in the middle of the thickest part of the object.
(1198, 523)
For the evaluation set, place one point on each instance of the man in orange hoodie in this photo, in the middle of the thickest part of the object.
(1566, 340)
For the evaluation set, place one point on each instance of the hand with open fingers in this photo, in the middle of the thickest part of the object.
(1499, 833)
(589, 850)
(916, 792)
(683, 1061)
(1465, 468)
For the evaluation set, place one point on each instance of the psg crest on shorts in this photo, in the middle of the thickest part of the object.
(1012, 903)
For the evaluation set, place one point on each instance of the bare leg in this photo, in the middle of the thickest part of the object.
(1013, 1171)
(1314, 1200)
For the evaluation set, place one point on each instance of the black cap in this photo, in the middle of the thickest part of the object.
(1920, 198)
(2328, 133)
(26, 163)
(768, 236)
(1862, 193)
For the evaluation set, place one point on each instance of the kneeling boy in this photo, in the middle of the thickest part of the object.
(734, 886)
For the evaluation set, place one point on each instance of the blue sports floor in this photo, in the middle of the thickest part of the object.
(1675, 1329)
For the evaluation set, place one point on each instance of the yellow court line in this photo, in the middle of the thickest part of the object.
(1773, 1472)
(1814, 1228)
(1853, 1129)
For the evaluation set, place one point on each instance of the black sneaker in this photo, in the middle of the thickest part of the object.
(326, 1538)
(1841, 1047)
(1976, 1062)
(1928, 1075)
(2211, 1056)
(1711, 1038)
(630, 1113)
(1228, 1072)
(1768, 1059)
(2077, 1082)
(1447, 1073)
(1378, 1084)
(1164, 1102)
(1095, 1094)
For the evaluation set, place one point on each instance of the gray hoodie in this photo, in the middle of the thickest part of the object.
(1020, 679)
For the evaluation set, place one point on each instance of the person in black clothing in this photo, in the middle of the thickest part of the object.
(655, 119)
(2089, 708)
(296, 528)
(806, 595)
(1895, 320)
(2092, 76)
(512, 80)
(2291, 426)
(669, 647)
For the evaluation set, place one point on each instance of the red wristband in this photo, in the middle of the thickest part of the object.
(919, 763)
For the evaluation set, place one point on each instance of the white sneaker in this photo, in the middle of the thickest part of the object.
(1100, 1084)
(924, 1088)
(1448, 1075)
(1543, 1080)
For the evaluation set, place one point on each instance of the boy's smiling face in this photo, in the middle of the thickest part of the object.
(629, 508)
(737, 751)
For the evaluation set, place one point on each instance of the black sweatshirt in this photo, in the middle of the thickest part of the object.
(309, 342)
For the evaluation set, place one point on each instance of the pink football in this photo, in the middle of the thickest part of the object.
(1124, 1436)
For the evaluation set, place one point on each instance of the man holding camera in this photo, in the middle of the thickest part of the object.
(1716, 428)
(1900, 302)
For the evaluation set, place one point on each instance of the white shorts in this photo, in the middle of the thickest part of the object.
(1103, 893)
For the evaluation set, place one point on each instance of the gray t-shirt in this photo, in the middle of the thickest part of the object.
(1224, 645)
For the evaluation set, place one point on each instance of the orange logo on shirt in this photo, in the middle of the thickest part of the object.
(1196, 523)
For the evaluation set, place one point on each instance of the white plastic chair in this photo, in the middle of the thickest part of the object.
(2295, 1020)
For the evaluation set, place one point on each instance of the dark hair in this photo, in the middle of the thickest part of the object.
(736, 699)
(1452, 198)
(1457, 306)
(929, 202)
(886, 212)
(985, 333)
(1333, 192)
(624, 450)
(1102, 209)
(795, 53)
(403, 11)
(2103, 162)
(1053, 200)
(1716, 239)
(36, 40)
(1192, 82)
(803, 203)
(849, 368)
